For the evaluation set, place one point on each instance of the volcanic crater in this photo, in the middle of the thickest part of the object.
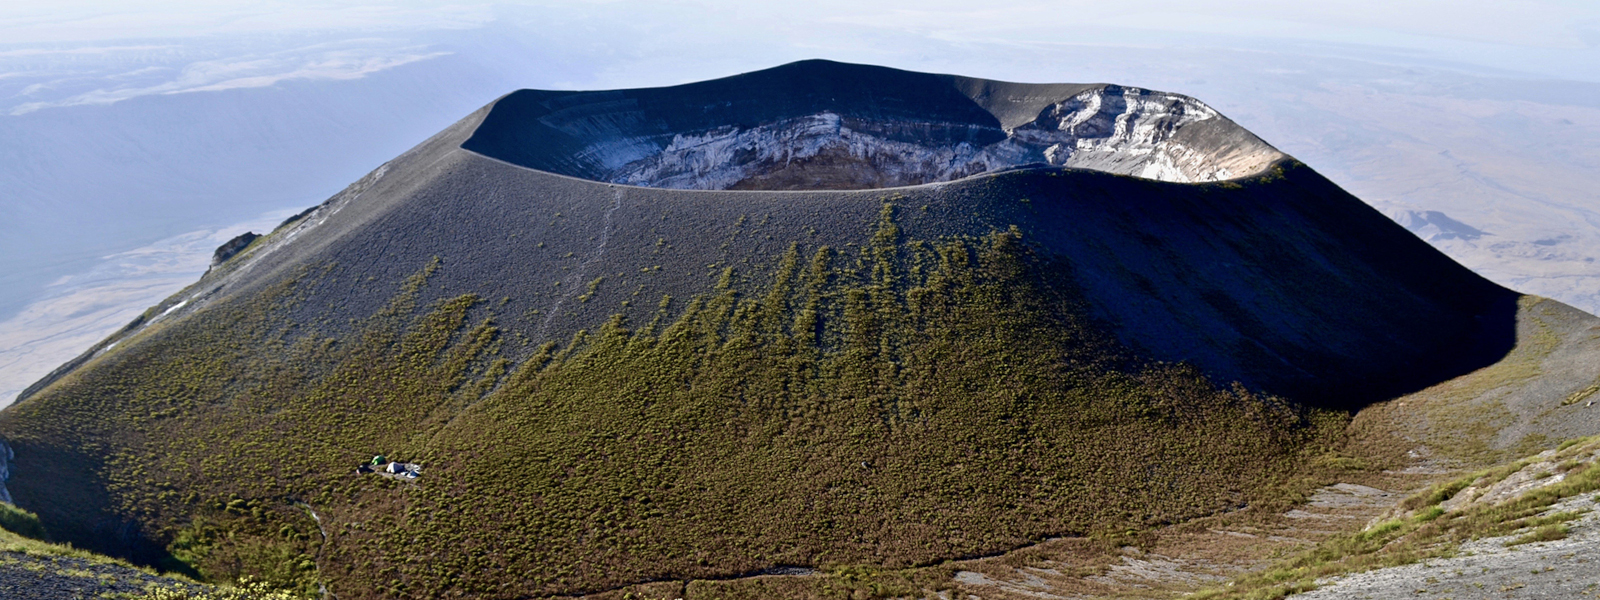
(682, 334)
(817, 125)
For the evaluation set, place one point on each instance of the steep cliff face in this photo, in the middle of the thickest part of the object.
(5, 471)
(1154, 135)
(1130, 131)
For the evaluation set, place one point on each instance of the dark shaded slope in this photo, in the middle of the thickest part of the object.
(1286, 282)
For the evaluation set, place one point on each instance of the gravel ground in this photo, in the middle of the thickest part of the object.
(27, 577)
(1487, 568)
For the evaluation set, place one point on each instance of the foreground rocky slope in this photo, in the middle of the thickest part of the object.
(609, 385)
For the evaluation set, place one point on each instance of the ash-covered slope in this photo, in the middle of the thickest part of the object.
(606, 320)
(1276, 278)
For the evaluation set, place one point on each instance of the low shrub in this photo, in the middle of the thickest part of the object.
(21, 522)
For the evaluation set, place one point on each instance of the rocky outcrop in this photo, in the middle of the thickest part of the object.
(234, 246)
(1434, 226)
(1154, 135)
(5, 471)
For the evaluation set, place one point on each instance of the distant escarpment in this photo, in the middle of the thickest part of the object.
(687, 332)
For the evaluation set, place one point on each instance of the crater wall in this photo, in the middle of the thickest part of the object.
(853, 131)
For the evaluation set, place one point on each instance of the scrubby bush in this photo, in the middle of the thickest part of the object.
(21, 522)
(247, 589)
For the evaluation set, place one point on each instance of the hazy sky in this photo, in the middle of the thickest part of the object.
(98, 52)
(1555, 24)
(1546, 37)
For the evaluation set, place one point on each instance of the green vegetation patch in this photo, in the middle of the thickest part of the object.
(896, 404)
(21, 522)
(246, 589)
(1428, 531)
